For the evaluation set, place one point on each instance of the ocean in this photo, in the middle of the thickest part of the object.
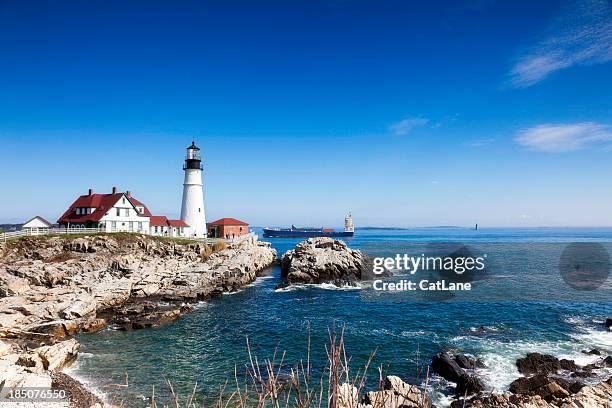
(524, 305)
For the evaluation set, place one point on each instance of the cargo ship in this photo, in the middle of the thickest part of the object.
(298, 232)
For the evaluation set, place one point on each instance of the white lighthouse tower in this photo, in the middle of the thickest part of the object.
(192, 210)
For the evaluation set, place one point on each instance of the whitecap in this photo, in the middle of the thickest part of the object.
(325, 286)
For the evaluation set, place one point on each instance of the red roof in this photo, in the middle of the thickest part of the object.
(161, 220)
(101, 202)
(158, 220)
(139, 204)
(227, 221)
(177, 223)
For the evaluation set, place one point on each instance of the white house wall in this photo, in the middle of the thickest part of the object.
(132, 222)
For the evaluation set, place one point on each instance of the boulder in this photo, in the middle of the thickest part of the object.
(93, 325)
(527, 385)
(397, 394)
(608, 322)
(543, 363)
(322, 260)
(348, 396)
(467, 362)
(59, 355)
(469, 384)
(443, 364)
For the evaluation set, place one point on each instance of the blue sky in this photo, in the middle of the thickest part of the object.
(405, 113)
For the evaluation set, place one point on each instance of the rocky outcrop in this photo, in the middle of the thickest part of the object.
(53, 288)
(323, 260)
(549, 382)
(449, 368)
(597, 396)
(395, 394)
(543, 363)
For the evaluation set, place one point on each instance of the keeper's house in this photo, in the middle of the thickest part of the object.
(118, 212)
(227, 228)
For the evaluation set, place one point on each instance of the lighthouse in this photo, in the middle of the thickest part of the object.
(192, 209)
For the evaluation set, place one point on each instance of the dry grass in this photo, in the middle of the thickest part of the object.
(61, 257)
(264, 384)
(219, 246)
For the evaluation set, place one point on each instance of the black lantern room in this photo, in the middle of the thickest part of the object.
(193, 160)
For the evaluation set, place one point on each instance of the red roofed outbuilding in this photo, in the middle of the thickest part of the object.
(227, 228)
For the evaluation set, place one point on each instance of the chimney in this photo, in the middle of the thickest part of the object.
(114, 190)
(90, 191)
(128, 193)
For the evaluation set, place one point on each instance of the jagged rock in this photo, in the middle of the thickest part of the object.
(443, 364)
(57, 329)
(348, 396)
(448, 367)
(599, 395)
(608, 322)
(543, 363)
(527, 385)
(83, 307)
(397, 394)
(32, 362)
(59, 355)
(322, 260)
(469, 384)
(502, 401)
(594, 352)
(468, 362)
(93, 325)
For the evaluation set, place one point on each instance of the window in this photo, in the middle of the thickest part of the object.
(127, 212)
(123, 201)
(78, 211)
(118, 212)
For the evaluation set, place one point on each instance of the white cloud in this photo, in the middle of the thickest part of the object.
(406, 125)
(580, 35)
(564, 137)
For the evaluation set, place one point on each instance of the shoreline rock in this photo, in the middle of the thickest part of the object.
(52, 288)
(322, 260)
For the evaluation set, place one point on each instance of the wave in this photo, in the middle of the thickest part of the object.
(325, 286)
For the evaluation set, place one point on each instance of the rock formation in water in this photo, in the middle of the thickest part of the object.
(323, 260)
(548, 382)
(52, 288)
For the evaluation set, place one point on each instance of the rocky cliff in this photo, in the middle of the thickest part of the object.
(53, 288)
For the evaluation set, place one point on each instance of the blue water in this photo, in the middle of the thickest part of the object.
(206, 345)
